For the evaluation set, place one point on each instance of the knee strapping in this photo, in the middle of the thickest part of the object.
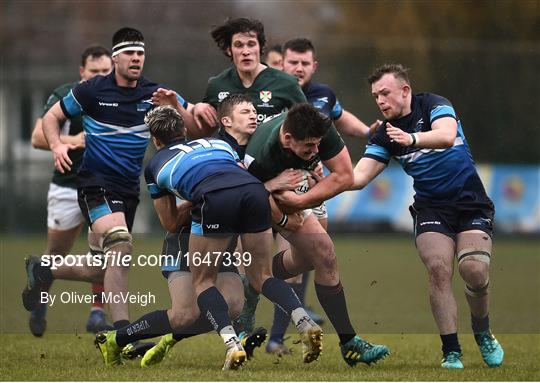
(479, 292)
(475, 255)
(115, 236)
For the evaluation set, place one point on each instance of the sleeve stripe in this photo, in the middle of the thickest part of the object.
(377, 158)
(441, 110)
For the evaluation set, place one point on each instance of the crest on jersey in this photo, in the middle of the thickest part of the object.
(265, 95)
(222, 95)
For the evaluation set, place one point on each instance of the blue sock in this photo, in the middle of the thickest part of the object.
(200, 326)
(281, 293)
(282, 320)
(150, 325)
(214, 308)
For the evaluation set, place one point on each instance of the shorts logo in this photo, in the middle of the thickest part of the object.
(222, 96)
(265, 95)
(113, 104)
(430, 223)
(115, 201)
(481, 221)
(212, 226)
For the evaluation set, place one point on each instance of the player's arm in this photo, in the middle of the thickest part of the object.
(365, 171)
(291, 221)
(339, 180)
(52, 120)
(170, 215)
(441, 136)
(350, 125)
(39, 141)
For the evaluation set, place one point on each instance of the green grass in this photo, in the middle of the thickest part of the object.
(386, 289)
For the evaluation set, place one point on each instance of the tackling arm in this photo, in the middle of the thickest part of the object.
(365, 171)
(441, 136)
(339, 180)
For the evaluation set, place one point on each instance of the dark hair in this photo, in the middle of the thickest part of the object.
(227, 105)
(300, 45)
(94, 51)
(398, 70)
(127, 34)
(165, 124)
(222, 34)
(305, 121)
(275, 48)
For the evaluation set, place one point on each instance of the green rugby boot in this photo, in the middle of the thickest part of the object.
(490, 348)
(358, 350)
(452, 359)
(106, 343)
(157, 353)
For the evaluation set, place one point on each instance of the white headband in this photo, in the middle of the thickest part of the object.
(128, 46)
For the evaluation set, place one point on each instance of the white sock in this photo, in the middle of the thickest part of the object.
(297, 315)
(227, 333)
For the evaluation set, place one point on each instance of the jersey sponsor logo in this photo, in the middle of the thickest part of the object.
(112, 104)
(265, 95)
(222, 96)
(323, 99)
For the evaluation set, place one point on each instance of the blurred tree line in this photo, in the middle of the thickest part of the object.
(482, 55)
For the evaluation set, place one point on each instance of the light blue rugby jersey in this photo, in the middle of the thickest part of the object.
(115, 133)
(440, 175)
(189, 169)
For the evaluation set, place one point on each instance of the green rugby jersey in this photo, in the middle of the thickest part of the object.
(266, 158)
(72, 126)
(272, 92)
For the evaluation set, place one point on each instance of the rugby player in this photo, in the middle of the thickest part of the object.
(227, 200)
(113, 109)
(64, 217)
(453, 216)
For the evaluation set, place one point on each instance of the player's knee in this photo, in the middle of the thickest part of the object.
(116, 238)
(477, 292)
(474, 267)
(325, 255)
(184, 318)
(439, 274)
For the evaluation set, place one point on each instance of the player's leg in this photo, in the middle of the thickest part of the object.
(437, 253)
(434, 227)
(97, 319)
(313, 248)
(255, 224)
(474, 254)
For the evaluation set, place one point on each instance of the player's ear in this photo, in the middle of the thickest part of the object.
(226, 121)
(81, 71)
(406, 89)
(228, 51)
(315, 64)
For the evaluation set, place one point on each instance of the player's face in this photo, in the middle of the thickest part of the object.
(94, 66)
(390, 94)
(305, 149)
(300, 65)
(245, 51)
(129, 64)
(244, 118)
(274, 60)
